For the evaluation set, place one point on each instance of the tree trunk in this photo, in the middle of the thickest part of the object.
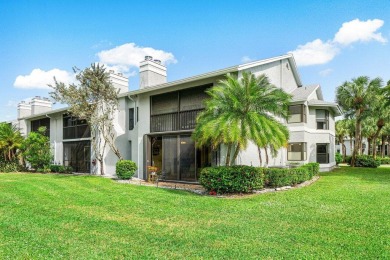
(260, 160)
(350, 144)
(369, 146)
(380, 125)
(229, 150)
(344, 150)
(383, 146)
(266, 155)
(101, 166)
(236, 154)
(356, 150)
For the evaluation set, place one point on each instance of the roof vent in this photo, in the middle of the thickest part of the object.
(148, 58)
(157, 61)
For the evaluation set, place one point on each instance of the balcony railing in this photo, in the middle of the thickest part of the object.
(184, 120)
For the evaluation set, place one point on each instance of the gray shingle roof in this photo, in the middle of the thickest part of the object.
(304, 92)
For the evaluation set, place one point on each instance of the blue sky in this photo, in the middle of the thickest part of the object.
(333, 41)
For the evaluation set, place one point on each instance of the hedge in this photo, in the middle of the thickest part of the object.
(125, 169)
(232, 179)
(61, 168)
(244, 179)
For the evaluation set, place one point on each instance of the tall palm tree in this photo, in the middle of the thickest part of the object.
(341, 133)
(381, 114)
(10, 141)
(355, 97)
(369, 131)
(243, 110)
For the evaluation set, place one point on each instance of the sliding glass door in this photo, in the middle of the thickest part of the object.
(178, 158)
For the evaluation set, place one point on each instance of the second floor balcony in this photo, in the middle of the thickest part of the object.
(176, 121)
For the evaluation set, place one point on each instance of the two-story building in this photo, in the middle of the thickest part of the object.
(154, 123)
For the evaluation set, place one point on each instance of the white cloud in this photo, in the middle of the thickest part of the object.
(124, 57)
(356, 30)
(246, 59)
(315, 52)
(321, 52)
(39, 79)
(325, 72)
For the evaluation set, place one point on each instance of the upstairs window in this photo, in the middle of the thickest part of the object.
(322, 117)
(35, 124)
(297, 114)
(296, 152)
(131, 118)
(75, 128)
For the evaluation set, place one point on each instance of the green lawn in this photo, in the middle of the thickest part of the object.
(345, 214)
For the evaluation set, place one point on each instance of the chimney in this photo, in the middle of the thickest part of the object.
(40, 105)
(119, 81)
(151, 73)
(24, 110)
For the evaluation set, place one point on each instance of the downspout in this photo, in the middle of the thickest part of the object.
(135, 123)
(55, 138)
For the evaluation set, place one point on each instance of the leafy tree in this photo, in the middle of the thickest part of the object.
(36, 149)
(94, 99)
(243, 110)
(355, 97)
(10, 141)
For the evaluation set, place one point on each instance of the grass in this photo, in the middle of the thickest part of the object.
(345, 214)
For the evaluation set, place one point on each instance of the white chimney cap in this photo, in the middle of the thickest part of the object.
(157, 61)
(148, 58)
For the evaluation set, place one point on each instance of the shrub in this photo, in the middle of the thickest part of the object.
(13, 166)
(348, 159)
(339, 158)
(232, 179)
(384, 160)
(61, 168)
(125, 169)
(36, 150)
(276, 177)
(367, 161)
(44, 169)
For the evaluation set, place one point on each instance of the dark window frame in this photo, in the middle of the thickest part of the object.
(79, 127)
(41, 122)
(302, 113)
(131, 118)
(323, 121)
(326, 153)
(303, 151)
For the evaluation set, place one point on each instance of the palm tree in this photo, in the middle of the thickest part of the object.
(368, 131)
(355, 97)
(341, 133)
(243, 110)
(381, 114)
(10, 141)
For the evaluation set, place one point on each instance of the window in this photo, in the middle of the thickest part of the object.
(137, 114)
(297, 114)
(322, 117)
(75, 128)
(131, 118)
(36, 124)
(322, 153)
(296, 152)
